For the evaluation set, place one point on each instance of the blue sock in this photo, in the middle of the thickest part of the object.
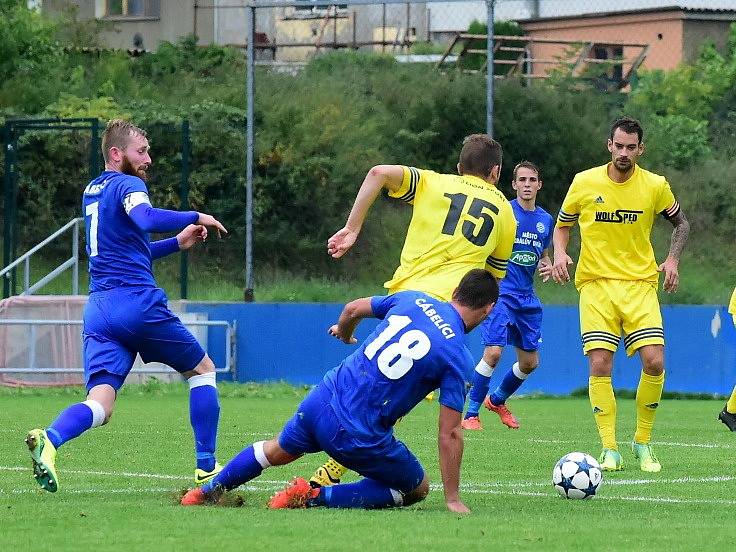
(204, 414)
(366, 493)
(510, 383)
(478, 391)
(241, 469)
(71, 423)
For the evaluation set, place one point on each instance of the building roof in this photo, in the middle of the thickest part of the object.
(722, 12)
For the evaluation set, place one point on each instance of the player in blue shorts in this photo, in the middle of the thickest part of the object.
(419, 346)
(126, 313)
(517, 319)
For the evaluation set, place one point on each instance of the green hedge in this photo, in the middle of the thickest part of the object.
(319, 131)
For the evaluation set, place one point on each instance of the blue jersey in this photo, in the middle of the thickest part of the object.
(119, 251)
(533, 234)
(418, 347)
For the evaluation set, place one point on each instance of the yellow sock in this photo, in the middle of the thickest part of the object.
(328, 473)
(603, 402)
(731, 404)
(648, 395)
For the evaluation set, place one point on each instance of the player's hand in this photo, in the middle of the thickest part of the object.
(559, 269)
(457, 507)
(671, 274)
(347, 339)
(192, 234)
(545, 270)
(340, 242)
(210, 221)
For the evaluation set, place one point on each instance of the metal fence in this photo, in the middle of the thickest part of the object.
(294, 31)
(45, 164)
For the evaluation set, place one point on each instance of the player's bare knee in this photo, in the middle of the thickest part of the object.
(101, 401)
(205, 366)
(653, 364)
(528, 367)
(418, 494)
(273, 453)
(601, 362)
(492, 356)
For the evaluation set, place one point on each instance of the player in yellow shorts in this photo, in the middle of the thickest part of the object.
(615, 206)
(459, 222)
(728, 414)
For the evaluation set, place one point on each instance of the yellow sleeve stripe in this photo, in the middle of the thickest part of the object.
(567, 217)
(498, 264)
(413, 180)
(672, 211)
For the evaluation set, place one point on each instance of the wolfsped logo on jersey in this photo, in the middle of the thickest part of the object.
(619, 216)
(524, 258)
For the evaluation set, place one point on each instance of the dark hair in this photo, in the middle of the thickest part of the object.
(629, 126)
(479, 155)
(117, 134)
(477, 289)
(527, 165)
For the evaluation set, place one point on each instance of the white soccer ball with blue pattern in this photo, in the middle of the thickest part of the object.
(577, 475)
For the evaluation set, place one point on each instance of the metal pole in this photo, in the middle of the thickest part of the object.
(383, 29)
(408, 26)
(7, 227)
(27, 275)
(355, 29)
(489, 76)
(75, 254)
(14, 213)
(429, 25)
(184, 200)
(94, 155)
(250, 154)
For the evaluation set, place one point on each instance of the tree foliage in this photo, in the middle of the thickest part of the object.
(320, 130)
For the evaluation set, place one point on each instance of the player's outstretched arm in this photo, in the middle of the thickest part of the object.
(191, 235)
(351, 315)
(380, 176)
(560, 239)
(450, 440)
(211, 222)
(545, 266)
(185, 239)
(670, 266)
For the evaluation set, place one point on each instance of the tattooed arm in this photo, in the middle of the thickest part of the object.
(677, 244)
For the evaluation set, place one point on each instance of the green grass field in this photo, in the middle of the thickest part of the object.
(119, 483)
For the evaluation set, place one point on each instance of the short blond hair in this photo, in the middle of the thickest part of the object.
(117, 134)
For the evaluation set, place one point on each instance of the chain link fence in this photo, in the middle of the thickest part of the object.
(598, 36)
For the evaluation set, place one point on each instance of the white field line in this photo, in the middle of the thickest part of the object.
(469, 437)
(161, 432)
(482, 485)
(535, 494)
(628, 443)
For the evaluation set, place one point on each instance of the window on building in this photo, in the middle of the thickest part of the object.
(133, 8)
(615, 71)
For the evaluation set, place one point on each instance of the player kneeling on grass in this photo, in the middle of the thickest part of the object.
(419, 346)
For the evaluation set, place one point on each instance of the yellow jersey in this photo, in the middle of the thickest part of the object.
(616, 223)
(732, 306)
(458, 223)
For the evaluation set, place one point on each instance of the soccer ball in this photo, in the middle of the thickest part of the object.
(577, 475)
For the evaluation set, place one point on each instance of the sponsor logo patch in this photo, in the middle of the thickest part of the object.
(619, 216)
(524, 258)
